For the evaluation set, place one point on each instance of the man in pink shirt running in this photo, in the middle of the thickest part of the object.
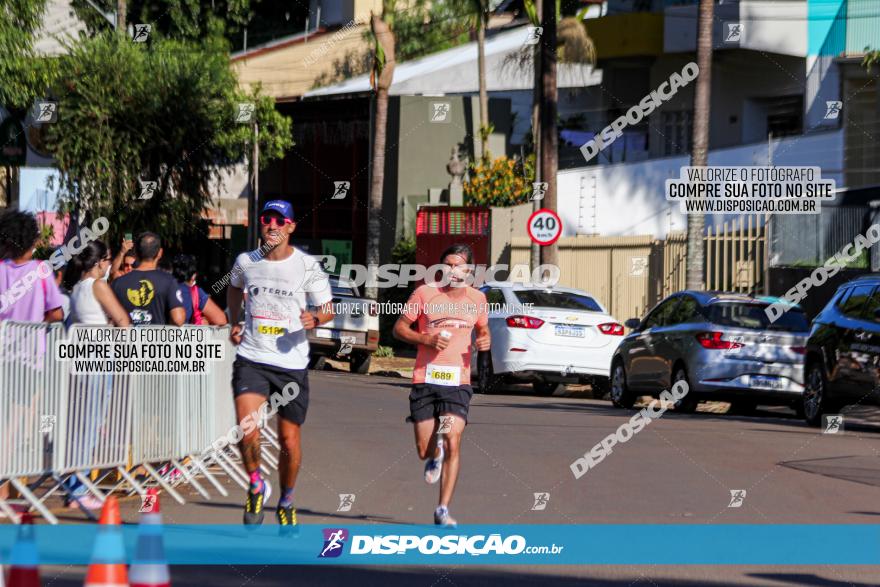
(445, 318)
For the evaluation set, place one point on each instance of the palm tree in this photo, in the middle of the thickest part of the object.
(482, 16)
(120, 15)
(382, 75)
(477, 12)
(570, 45)
(549, 162)
(694, 275)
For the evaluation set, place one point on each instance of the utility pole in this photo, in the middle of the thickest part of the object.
(253, 192)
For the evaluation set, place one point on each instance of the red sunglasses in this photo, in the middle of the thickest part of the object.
(269, 219)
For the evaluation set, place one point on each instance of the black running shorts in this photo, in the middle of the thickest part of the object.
(251, 377)
(428, 401)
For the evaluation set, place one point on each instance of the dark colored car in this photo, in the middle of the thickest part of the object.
(722, 344)
(843, 352)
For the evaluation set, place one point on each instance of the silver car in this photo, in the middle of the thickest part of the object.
(723, 345)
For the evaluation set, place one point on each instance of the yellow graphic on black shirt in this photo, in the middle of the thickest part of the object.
(143, 295)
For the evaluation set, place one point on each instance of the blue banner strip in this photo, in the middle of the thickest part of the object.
(618, 544)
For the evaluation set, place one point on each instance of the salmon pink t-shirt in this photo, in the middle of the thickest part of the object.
(455, 310)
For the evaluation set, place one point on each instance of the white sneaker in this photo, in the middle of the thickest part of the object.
(434, 466)
(442, 517)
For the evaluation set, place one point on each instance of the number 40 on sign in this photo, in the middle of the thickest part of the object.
(544, 227)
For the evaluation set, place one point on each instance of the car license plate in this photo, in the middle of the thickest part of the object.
(766, 382)
(575, 331)
(326, 333)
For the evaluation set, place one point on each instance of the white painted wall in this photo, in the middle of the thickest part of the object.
(737, 78)
(822, 84)
(770, 26)
(629, 198)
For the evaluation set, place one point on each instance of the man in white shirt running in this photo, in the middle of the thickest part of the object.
(273, 349)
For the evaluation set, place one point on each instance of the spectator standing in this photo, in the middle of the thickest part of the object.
(199, 307)
(28, 289)
(92, 299)
(149, 295)
(28, 293)
(124, 261)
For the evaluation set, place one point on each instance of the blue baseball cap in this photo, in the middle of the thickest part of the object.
(279, 206)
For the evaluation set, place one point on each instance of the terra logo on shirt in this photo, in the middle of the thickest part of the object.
(143, 295)
(254, 291)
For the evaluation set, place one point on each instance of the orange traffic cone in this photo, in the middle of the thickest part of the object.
(149, 567)
(108, 557)
(23, 558)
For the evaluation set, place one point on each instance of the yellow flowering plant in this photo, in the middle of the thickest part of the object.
(503, 182)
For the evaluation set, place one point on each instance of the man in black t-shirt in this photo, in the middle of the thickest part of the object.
(149, 295)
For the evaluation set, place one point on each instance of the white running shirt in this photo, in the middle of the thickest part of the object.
(276, 293)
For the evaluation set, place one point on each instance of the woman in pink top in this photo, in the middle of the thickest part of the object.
(28, 293)
(445, 316)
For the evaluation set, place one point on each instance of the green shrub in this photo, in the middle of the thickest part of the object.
(384, 351)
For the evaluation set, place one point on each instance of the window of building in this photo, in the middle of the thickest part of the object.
(677, 129)
(785, 115)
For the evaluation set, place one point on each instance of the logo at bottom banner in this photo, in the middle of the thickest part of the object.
(334, 541)
(479, 544)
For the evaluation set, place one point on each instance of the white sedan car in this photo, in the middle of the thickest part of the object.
(546, 335)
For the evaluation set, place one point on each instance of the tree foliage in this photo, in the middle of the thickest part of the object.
(872, 57)
(425, 28)
(194, 19)
(575, 45)
(23, 75)
(179, 19)
(163, 112)
(421, 29)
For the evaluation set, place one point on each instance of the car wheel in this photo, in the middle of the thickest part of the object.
(815, 399)
(600, 386)
(687, 404)
(621, 396)
(359, 362)
(317, 362)
(487, 381)
(546, 388)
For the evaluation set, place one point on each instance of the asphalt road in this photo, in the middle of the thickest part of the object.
(680, 469)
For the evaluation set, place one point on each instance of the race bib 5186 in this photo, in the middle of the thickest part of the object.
(270, 328)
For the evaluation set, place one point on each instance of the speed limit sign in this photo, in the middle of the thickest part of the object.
(544, 227)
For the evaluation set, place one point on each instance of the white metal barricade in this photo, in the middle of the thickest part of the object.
(30, 383)
(61, 424)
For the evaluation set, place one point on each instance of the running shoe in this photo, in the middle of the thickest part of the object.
(253, 507)
(434, 466)
(442, 517)
(286, 516)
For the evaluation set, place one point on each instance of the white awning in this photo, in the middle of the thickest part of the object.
(454, 71)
